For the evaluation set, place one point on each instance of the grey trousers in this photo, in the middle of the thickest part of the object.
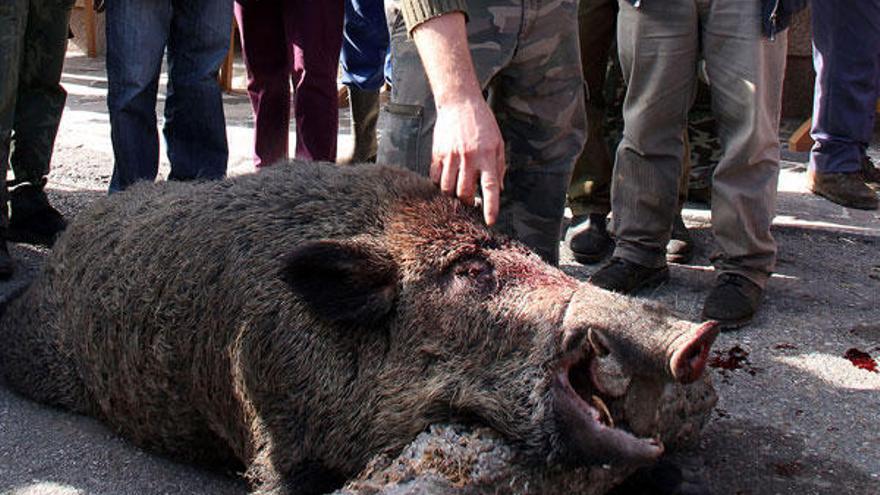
(659, 45)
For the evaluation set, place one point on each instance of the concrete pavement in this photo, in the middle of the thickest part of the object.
(795, 416)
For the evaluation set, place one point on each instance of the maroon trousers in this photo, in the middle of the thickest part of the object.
(298, 41)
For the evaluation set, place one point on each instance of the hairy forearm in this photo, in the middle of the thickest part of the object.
(443, 46)
(467, 147)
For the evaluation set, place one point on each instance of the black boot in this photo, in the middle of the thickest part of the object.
(733, 301)
(626, 277)
(589, 241)
(364, 117)
(32, 219)
(681, 246)
(6, 263)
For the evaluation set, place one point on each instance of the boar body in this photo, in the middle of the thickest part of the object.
(298, 322)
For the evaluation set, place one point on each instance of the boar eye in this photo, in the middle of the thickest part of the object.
(475, 274)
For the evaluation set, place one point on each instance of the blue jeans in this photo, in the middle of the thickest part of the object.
(364, 44)
(846, 54)
(196, 36)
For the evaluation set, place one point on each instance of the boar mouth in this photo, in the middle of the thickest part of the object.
(587, 420)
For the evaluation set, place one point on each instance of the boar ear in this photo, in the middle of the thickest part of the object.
(342, 281)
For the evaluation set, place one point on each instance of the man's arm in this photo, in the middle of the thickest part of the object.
(468, 146)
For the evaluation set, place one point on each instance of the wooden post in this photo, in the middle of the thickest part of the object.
(226, 68)
(800, 140)
(91, 23)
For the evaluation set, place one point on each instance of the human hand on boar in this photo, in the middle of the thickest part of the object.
(468, 147)
(473, 152)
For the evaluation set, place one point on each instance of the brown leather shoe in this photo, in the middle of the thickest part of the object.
(845, 189)
(871, 173)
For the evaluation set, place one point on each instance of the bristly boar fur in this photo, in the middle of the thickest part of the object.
(299, 321)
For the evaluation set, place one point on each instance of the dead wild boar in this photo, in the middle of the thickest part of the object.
(302, 320)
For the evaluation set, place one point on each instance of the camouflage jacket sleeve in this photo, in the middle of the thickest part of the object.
(416, 12)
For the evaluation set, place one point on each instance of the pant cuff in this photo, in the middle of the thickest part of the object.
(641, 256)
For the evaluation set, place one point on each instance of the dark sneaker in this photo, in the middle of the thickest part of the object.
(681, 246)
(626, 277)
(871, 173)
(847, 189)
(32, 219)
(6, 264)
(733, 301)
(589, 241)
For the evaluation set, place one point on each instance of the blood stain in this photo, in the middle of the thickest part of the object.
(733, 359)
(861, 360)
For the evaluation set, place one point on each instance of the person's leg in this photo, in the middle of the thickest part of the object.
(267, 60)
(590, 190)
(13, 22)
(540, 109)
(37, 116)
(364, 44)
(137, 31)
(406, 123)
(195, 126)
(589, 194)
(40, 95)
(658, 46)
(364, 49)
(846, 40)
(314, 31)
(746, 70)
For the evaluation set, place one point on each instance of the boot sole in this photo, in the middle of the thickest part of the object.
(730, 325)
(592, 258)
(868, 205)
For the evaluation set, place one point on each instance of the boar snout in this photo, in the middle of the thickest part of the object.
(678, 351)
(687, 360)
(646, 339)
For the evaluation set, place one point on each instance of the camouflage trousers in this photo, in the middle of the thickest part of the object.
(590, 189)
(33, 41)
(526, 57)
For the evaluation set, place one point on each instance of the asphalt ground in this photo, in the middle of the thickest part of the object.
(795, 416)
